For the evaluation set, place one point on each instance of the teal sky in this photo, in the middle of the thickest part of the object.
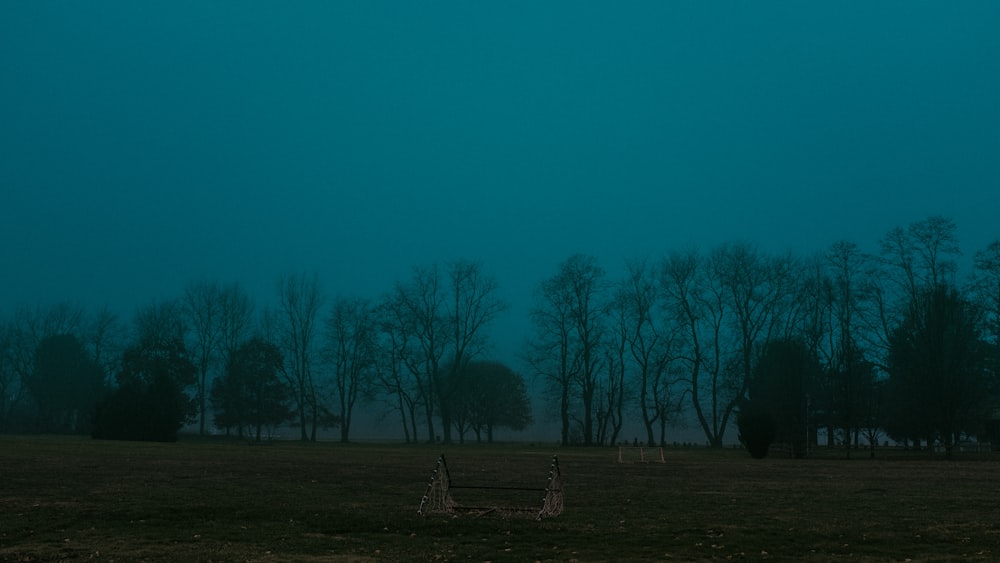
(144, 145)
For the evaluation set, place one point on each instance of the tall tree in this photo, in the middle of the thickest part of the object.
(251, 394)
(150, 402)
(938, 386)
(438, 323)
(699, 302)
(65, 384)
(106, 338)
(986, 292)
(914, 262)
(11, 385)
(351, 347)
(649, 337)
(612, 389)
(569, 326)
(158, 349)
(759, 288)
(730, 305)
(472, 304)
(236, 320)
(24, 332)
(920, 257)
(202, 305)
(849, 369)
(300, 302)
(417, 316)
(394, 380)
(779, 387)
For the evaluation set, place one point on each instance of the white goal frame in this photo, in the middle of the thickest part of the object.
(645, 454)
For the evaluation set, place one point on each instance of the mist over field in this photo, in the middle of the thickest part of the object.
(493, 156)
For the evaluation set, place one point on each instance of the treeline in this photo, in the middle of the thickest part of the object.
(864, 346)
(860, 346)
(210, 358)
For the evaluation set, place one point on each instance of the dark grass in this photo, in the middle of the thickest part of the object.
(65, 499)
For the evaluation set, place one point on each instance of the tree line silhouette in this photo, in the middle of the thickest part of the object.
(852, 346)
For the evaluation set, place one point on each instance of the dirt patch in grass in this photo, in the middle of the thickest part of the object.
(75, 499)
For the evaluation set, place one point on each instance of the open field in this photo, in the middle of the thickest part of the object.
(77, 499)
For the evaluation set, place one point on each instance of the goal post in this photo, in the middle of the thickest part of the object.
(438, 495)
(640, 454)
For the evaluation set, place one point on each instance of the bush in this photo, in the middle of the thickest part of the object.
(152, 413)
(757, 431)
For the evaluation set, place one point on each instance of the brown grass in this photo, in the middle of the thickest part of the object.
(67, 499)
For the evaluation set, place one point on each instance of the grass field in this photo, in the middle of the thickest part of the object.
(64, 499)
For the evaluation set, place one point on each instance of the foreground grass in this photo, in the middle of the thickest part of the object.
(77, 499)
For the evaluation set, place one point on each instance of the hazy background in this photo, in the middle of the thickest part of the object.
(144, 145)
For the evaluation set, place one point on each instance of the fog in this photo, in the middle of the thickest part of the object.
(145, 146)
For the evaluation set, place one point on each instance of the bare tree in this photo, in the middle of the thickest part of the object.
(473, 304)
(351, 348)
(158, 355)
(439, 324)
(612, 390)
(395, 380)
(160, 323)
(20, 338)
(236, 319)
(697, 301)
(760, 288)
(106, 337)
(552, 352)
(202, 303)
(850, 373)
(649, 337)
(417, 317)
(300, 302)
(730, 305)
(11, 388)
(986, 289)
(921, 257)
(569, 327)
(915, 262)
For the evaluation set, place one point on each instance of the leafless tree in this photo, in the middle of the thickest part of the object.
(417, 313)
(472, 305)
(697, 301)
(649, 337)
(569, 328)
(986, 290)
(351, 348)
(395, 380)
(439, 323)
(106, 338)
(159, 323)
(851, 292)
(202, 304)
(730, 304)
(760, 288)
(21, 335)
(11, 384)
(29, 326)
(236, 319)
(921, 257)
(300, 301)
(612, 390)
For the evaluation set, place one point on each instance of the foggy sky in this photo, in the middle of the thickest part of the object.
(147, 145)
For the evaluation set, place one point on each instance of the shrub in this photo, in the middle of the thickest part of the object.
(757, 431)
